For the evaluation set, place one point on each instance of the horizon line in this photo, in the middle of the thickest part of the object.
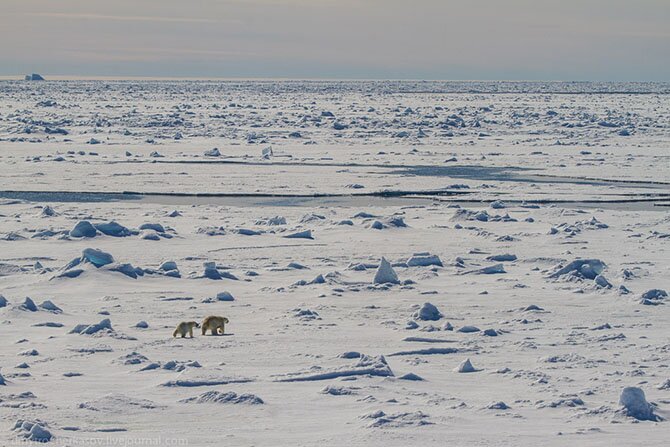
(68, 77)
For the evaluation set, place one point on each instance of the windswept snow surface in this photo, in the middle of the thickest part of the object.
(509, 319)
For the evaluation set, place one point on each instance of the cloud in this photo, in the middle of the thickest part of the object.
(148, 54)
(120, 18)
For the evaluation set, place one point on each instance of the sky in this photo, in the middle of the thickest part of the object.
(609, 40)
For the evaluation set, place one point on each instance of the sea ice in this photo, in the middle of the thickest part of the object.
(90, 329)
(217, 397)
(83, 228)
(465, 367)
(96, 257)
(636, 406)
(385, 273)
(428, 312)
(112, 229)
(424, 259)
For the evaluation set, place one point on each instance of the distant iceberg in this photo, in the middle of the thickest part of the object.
(34, 77)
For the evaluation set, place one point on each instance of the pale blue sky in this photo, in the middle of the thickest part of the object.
(421, 39)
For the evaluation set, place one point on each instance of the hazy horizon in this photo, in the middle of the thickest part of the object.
(66, 77)
(592, 40)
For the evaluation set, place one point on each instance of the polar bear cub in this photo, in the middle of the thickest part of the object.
(185, 327)
(214, 323)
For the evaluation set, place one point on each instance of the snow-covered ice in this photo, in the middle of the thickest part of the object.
(401, 263)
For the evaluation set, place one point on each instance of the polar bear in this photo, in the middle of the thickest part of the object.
(214, 323)
(185, 327)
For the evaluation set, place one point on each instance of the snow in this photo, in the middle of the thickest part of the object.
(553, 322)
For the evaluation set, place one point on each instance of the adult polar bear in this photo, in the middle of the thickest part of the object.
(213, 324)
(185, 327)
